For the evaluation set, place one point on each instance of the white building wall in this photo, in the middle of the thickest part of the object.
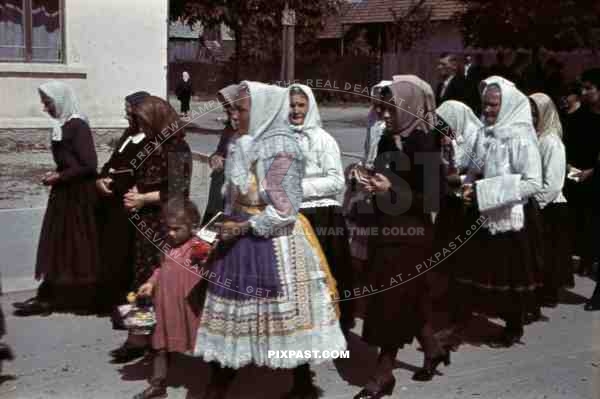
(113, 48)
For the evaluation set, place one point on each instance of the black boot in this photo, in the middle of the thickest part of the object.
(429, 368)
(303, 387)
(593, 304)
(5, 352)
(219, 382)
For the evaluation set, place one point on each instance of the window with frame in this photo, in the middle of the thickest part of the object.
(31, 31)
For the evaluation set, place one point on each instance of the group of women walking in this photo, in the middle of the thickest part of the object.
(285, 253)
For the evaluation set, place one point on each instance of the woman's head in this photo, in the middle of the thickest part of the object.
(460, 118)
(260, 107)
(548, 120)
(226, 97)
(240, 112)
(408, 105)
(181, 217)
(590, 82)
(155, 116)
(376, 105)
(506, 110)
(132, 101)
(58, 100)
(492, 102)
(299, 105)
(185, 76)
(48, 105)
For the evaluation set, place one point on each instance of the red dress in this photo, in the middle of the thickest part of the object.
(176, 320)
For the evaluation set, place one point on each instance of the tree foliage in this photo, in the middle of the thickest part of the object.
(256, 24)
(554, 25)
(412, 25)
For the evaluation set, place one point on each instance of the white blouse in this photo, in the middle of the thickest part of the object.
(554, 166)
(324, 175)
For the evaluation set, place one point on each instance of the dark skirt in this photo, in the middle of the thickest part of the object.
(557, 271)
(503, 274)
(68, 258)
(215, 202)
(117, 237)
(331, 230)
(397, 311)
(399, 302)
(580, 197)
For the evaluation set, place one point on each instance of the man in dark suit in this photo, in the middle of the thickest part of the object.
(453, 85)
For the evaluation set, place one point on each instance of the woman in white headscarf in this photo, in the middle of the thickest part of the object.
(184, 92)
(555, 212)
(322, 184)
(271, 289)
(458, 127)
(67, 257)
(510, 177)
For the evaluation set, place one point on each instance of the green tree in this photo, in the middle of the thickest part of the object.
(554, 25)
(256, 25)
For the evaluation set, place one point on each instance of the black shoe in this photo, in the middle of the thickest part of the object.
(304, 392)
(5, 352)
(374, 390)
(24, 304)
(507, 339)
(32, 307)
(591, 306)
(152, 392)
(127, 353)
(427, 372)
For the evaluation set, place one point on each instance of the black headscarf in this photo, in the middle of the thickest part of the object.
(136, 98)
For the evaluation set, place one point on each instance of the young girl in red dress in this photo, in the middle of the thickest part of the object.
(170, 286)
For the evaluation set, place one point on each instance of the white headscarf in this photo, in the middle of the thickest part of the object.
(465, 125)
(185, 76)
(312, 120)
(268, 111)
(514, 118)
(548, 119)
(66, 104)
(376, 88)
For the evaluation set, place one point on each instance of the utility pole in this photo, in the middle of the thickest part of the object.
(288, 20)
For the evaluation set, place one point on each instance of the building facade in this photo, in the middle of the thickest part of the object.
(104, 50)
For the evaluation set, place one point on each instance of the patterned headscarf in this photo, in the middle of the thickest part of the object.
(415, 104)
(66, 104)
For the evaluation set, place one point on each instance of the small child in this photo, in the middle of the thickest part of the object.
(170, 286)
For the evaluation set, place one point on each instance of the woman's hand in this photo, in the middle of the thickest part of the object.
(468, 194)
(146, 289)
(133, 200)
(229, 230)
(378, 184)
(51, 178)
(216, 162)
(102, 186)
(585, 174)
